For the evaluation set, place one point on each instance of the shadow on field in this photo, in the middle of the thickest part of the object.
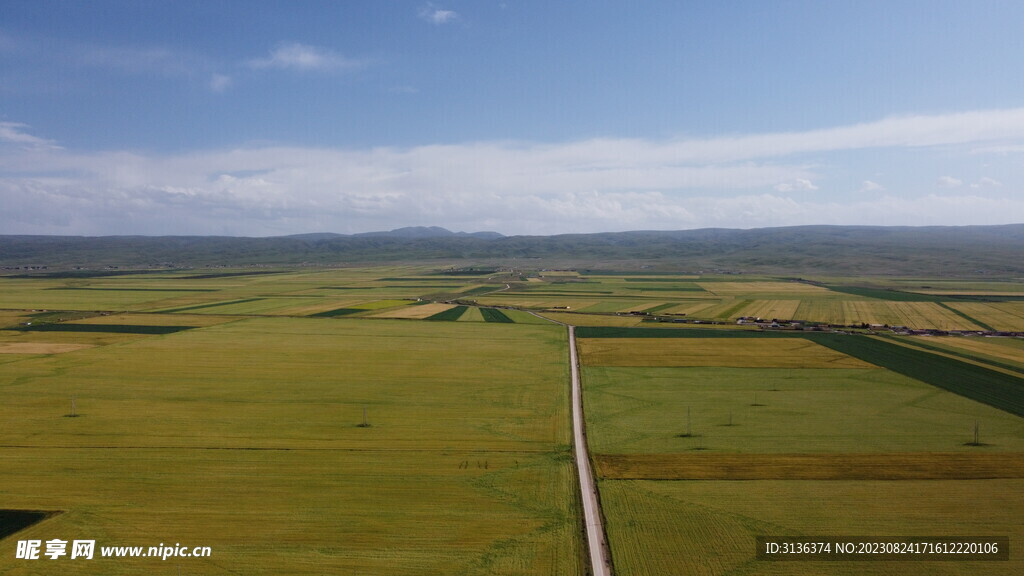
(12, 521)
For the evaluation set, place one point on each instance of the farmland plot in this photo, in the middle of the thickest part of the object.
(1007, 316)
(781, 410)
(754, 423)
(781, 309)
(747, 289)
(709, 528)
(463, 466)
(747, 353)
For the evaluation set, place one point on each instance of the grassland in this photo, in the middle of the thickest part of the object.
(708, 528)
(706, 439)
(225, 408)
(783, 411)
(244, 436)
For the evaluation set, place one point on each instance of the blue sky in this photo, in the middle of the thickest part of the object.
(264, 118)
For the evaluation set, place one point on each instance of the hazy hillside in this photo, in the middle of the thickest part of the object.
(959, 251)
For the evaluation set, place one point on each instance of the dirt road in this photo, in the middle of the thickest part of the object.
(596, 543)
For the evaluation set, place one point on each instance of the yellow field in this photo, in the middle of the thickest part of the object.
(314, 306)
(1011, 349)
(920, 315)
(725, 352)
(415, 312)
(768, 309)
(1016, 293)
(39, 347)
(90, 338)
(892, 466)
(1007, 316)
(141, 319)
(591, 319)
(745, 288)
(692, 308)
(12, 317)
(539, 302)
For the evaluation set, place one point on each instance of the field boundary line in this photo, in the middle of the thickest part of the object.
(812, 466)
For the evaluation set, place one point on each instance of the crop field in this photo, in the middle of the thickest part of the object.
(779, 410)
(709, 528)
(538, 302)
(520, 317)
(836, 466)
(409, 420)
(472, 314)
(415, 312)
(494, 315)
(710, 465)
(612, 306)
(747, 353)
(1000, 315)
(381, 304)
(130, 318)
(449, 314)
(781, 309)
(297, 511)
(39, 347)
(692, 308)
(58, 295)
(747, 289)
(1003, 350)
(592, 319)
(702, 444)
(247, 436)
(911, 314)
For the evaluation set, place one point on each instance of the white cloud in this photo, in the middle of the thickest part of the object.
(435, 15)
(294, 56)
(513, 187)
(14, 133)
(869, 186)
(985, 181)
(220, 83)
(799, 184)
(898, 132)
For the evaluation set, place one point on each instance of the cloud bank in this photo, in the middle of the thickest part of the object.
(514, 187)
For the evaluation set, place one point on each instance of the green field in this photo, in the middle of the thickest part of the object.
(415, 420)
(706, 439)
(246, 437)
(708, 528)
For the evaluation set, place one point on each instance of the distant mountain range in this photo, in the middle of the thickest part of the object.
(409, 232)
(839, 250)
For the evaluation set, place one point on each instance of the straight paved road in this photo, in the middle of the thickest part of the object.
(591, 505)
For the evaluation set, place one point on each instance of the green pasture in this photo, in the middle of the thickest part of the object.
(300, 511)
(771, 410)
(709, 528)
(247, 437)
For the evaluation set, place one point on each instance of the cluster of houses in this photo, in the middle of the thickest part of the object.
(778, 324)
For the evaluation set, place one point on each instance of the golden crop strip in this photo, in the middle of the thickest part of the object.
(905, 466)
(726, 352)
